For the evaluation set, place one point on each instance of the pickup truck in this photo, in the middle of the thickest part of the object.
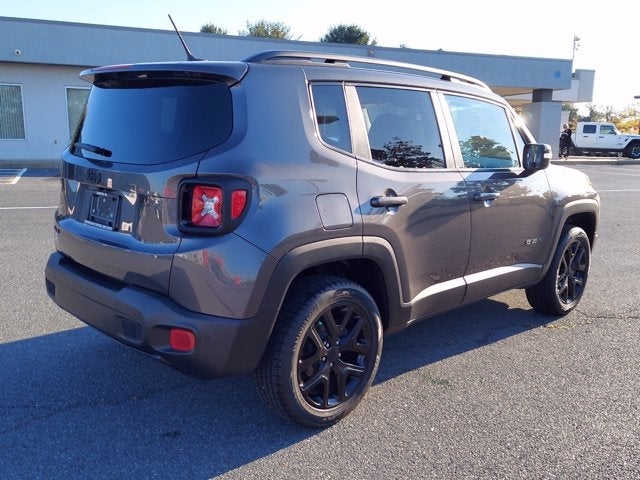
(603, 138)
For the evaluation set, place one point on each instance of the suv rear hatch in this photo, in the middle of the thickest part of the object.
(144, 129)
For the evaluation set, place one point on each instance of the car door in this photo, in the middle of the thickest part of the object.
(410, 195)
(588, 137)
(510, 208)
(608, 138)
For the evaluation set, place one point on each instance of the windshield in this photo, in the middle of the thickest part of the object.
(153, 121)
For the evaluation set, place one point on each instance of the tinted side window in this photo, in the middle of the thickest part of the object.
(402, 127)
(484, 132)
(589, 129)
(331, 115)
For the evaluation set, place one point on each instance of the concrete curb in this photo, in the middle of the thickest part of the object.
(595, 161)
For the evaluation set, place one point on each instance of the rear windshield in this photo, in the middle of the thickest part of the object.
(153, 121)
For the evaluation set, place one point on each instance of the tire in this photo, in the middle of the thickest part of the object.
(324, 352)
(562, 287)
(633, 150)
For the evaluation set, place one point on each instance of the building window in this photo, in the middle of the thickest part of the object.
(76, 100)
(11, 114)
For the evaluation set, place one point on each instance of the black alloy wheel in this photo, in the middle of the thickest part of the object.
(334, 356)
(324, 353)
(572, 272)
(562, 287)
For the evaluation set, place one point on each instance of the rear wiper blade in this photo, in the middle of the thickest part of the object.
(93, 149)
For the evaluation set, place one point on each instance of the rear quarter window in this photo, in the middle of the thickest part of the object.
(331, 115)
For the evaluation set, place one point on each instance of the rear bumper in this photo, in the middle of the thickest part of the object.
(142, 319)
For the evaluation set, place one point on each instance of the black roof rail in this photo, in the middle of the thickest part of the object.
(283, 55)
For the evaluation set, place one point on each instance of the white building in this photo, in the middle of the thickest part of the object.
(41, 96)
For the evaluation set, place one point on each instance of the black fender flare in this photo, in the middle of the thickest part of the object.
(303, 257)
(588, 206)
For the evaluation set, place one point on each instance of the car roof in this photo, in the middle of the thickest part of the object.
(318, 66)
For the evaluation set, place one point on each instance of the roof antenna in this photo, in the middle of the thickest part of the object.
(190, 57)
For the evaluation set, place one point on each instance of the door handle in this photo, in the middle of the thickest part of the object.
(388, 201)
(483, 196)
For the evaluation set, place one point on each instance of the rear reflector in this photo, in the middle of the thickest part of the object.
(238, 201)
(182, 340)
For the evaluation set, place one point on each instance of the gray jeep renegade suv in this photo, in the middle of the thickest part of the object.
(280, 214)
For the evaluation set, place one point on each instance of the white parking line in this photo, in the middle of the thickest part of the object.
(11, 176)
(611, 171)
(627, 190)
(28, 208)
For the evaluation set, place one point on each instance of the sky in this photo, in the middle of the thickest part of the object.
(609, 42)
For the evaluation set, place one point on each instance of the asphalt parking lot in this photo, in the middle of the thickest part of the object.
(493, 390)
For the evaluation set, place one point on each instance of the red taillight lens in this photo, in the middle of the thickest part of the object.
(182, 340)
(212, 205)
(206, 206)
(238, 202)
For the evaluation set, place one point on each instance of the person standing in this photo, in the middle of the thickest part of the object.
(565, 142)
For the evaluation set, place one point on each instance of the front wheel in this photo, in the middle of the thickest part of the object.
(562, 287)
(633, 150)
(324, 352)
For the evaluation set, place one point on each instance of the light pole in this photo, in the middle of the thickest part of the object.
(637, 97)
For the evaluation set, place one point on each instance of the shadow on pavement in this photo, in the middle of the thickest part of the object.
(77, 405)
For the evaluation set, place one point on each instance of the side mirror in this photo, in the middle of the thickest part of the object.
(536, 156)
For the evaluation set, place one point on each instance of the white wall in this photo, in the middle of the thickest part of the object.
(44, 103)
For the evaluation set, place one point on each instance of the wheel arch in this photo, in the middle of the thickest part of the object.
(372, 265)
(582, 213)
(587, 221)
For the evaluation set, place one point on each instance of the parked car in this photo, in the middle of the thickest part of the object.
(604, 139)
(280, 215)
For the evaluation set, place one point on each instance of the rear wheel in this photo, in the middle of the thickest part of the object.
(324, 352)
(562, 287)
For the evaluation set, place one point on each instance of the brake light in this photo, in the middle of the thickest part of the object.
(206, 206)
(108, 68)
(213, 206)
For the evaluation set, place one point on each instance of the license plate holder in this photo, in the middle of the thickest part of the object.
(103, 211)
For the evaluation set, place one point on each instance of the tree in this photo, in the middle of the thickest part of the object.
(595, 114)
(630, 120)
(352, 34)
(213, 28)
(262, 28)
(627, 119)
(573, 112)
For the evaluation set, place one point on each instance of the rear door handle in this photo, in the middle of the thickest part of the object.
(483, 196)
(388, 201)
